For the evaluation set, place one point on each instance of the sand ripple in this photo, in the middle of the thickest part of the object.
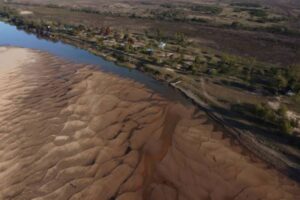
(72, 132)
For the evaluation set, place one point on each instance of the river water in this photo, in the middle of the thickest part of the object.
(11, 36)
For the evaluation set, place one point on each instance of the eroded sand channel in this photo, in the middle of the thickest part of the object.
(73, 132)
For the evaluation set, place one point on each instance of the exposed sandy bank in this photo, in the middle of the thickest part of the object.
(73, 132)
(26, 12)
(14, 57)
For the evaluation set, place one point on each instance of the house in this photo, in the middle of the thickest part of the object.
(162, 45)
(290, 93)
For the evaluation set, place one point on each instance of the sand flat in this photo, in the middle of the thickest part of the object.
(73, 132)
(14, 57)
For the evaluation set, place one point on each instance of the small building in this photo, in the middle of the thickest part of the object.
(290, 93)
(162, 45)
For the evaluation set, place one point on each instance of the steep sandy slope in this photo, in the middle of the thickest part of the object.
(73, 132)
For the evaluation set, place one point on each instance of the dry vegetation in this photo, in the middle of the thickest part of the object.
(206, 31)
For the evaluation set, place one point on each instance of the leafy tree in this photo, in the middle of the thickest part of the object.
(193, 68)
(280, 82)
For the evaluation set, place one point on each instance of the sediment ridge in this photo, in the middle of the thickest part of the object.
(70, 131)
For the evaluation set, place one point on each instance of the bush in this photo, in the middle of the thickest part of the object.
(193, 68)
(236, 25)
(266, 115)
(207, 9)
(294, 78)
(246, 4)
(180, 38)
(280, 82)
(254, 12)
(121, 57)
(286, 126)
(228, 65)
(213, 72)
(258, 13)
(199, 20)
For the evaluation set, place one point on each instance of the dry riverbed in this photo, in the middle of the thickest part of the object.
(71, 131)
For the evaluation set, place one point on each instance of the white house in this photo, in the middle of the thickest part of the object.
(162, 45)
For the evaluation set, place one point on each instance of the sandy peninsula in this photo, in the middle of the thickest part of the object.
(73, 132)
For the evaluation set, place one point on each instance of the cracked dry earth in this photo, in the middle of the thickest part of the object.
(73, 132)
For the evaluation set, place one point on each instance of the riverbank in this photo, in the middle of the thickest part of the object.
(70, 131)
(275, 151)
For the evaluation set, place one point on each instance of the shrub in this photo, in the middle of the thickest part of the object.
(193, 68)
(236, 25)
(254, 12)
(258, 13)
(266, 115)
(207, 9)
(286, 126)
(197, 60)
(247, 4)
(180, 38)
(213, 72)
(280, 82)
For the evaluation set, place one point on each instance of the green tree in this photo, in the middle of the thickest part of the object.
(280, 82)
(193, 68)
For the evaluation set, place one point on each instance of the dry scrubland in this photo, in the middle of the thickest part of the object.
(97, 2)
(73, 132)
(207, 31)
